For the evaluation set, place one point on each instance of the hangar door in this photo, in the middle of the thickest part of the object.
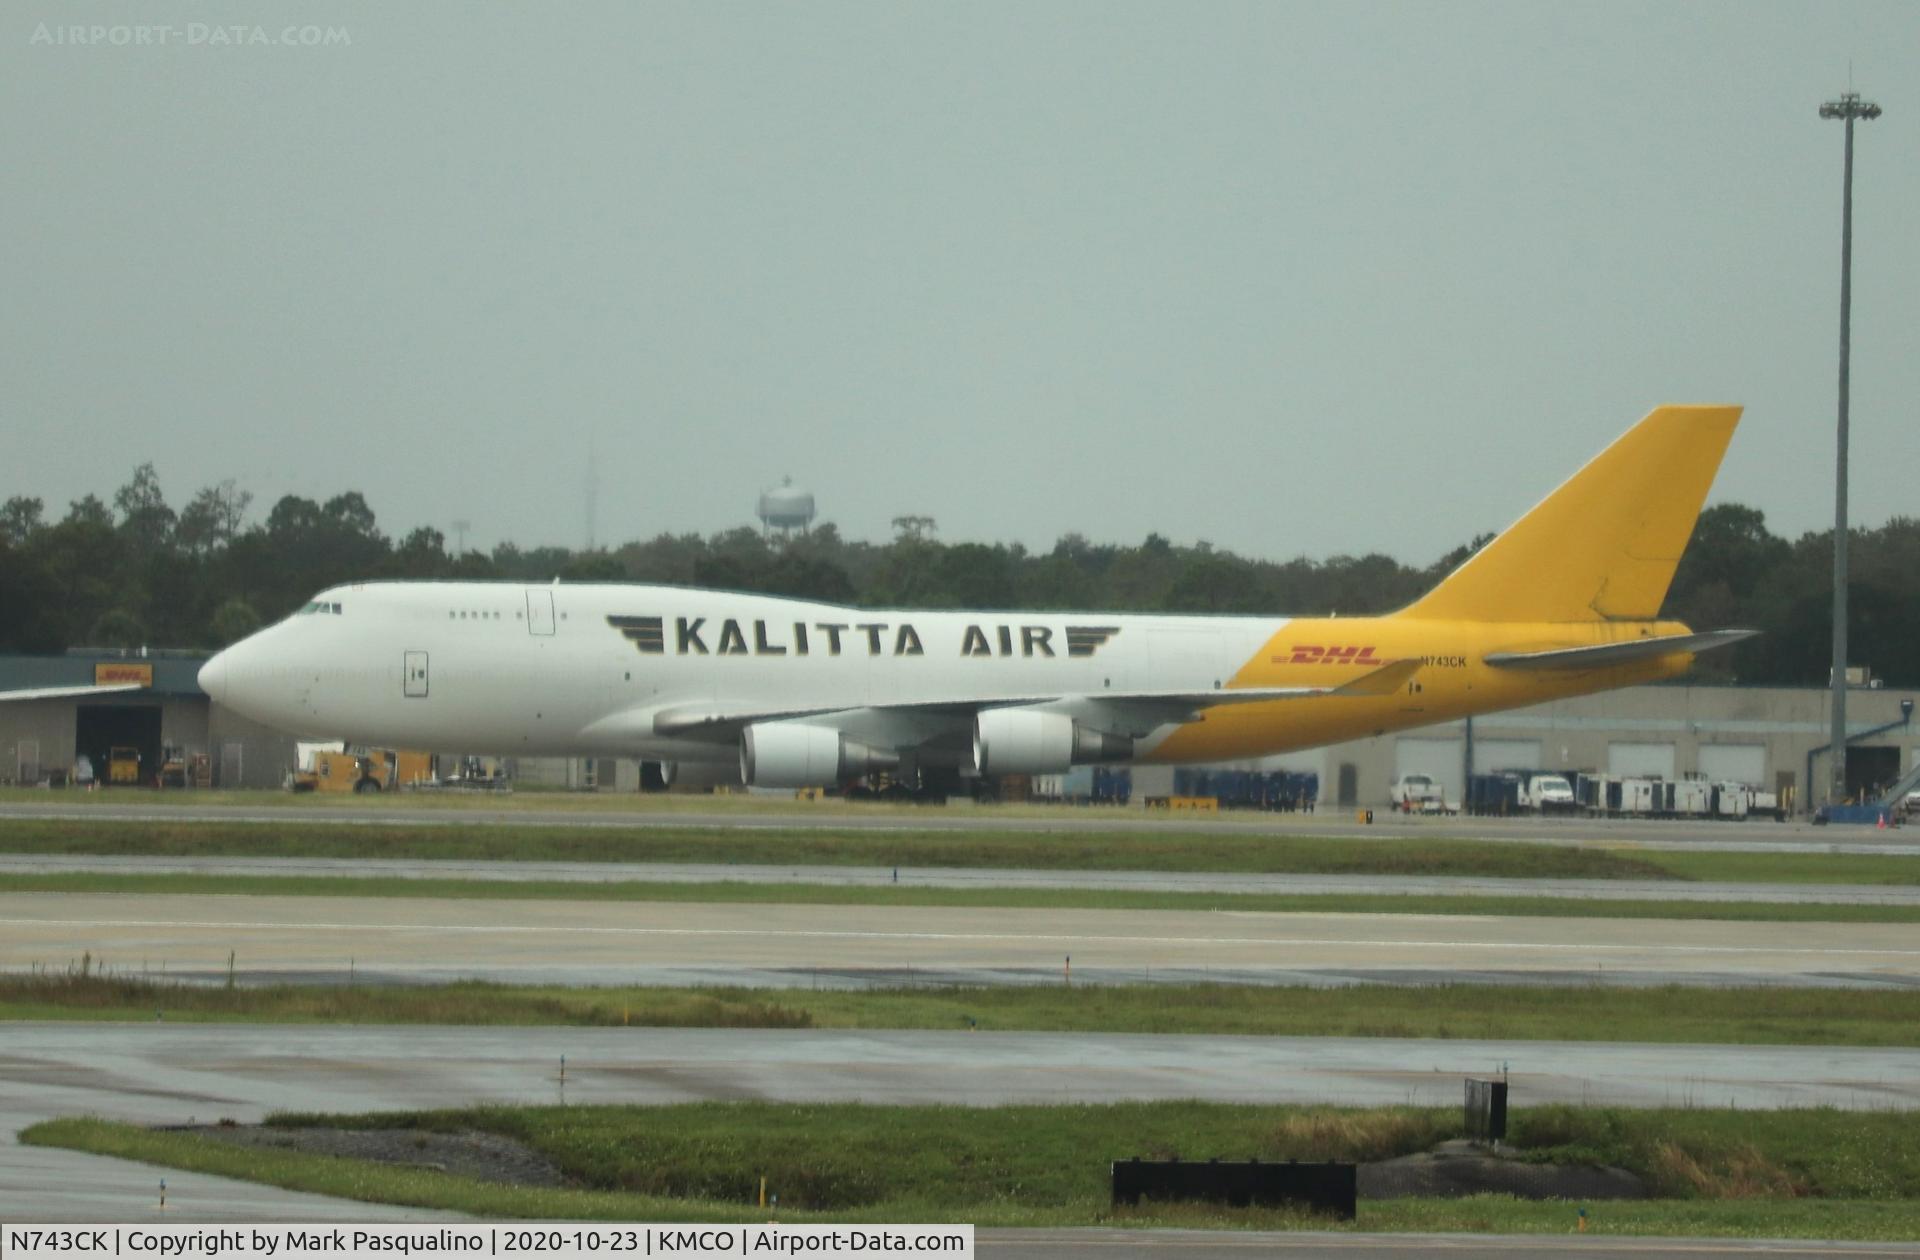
(1490, 756)
(101, 728)
(1442, 760)
(1734, 763)
(1640, 761)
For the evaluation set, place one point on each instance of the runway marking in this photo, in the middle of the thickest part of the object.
(851, 934)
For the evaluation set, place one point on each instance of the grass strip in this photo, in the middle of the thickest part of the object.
(1512, 906)
(1064, 850)
(1812, 1173)
(1764, 1015)
(1784, 868)
(1042, 850)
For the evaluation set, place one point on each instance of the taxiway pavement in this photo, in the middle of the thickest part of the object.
(162, 1073)
(628, 942)
(963, 877)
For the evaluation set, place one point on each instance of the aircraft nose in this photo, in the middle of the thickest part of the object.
(213, 676)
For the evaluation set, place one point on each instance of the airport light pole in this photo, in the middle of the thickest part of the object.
(1847, 108)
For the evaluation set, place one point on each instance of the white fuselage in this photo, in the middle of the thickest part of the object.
(591, 669)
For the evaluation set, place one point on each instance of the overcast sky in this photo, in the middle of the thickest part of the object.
(1294, 279)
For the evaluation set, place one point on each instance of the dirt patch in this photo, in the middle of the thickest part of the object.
(482, 1156)
(1456, 1169)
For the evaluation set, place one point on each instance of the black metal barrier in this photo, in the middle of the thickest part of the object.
(1486, 1110)
(1331, 1188)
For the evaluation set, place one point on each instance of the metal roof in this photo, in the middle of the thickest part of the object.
(173, 674)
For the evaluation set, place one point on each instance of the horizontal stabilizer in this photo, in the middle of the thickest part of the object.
(1602, 654)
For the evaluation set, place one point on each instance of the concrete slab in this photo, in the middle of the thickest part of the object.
(964, 877)
(599, 942)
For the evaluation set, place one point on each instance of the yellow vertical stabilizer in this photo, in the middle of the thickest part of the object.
(1604, 545)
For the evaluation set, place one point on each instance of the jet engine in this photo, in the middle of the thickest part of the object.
(1028, 741)
(795, 755)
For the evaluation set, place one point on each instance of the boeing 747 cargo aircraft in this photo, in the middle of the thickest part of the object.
(1565, 602)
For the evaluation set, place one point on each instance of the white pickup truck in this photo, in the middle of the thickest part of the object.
(1417, 794)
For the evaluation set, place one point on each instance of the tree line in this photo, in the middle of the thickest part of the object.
(136, 571)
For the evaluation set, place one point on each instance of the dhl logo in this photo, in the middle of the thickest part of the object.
(1312, 654)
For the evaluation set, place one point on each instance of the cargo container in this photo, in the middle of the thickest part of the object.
(1277, 790)
(1493, 794)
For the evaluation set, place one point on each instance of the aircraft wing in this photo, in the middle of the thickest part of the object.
(1600, 654)
(57, 693)
(1145, 709)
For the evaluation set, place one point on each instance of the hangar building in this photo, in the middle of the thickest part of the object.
(43, 739)
(1767, 737)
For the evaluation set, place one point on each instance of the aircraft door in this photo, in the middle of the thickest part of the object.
(540, 611)
(415, 675)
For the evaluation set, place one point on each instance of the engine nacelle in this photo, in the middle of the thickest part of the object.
(1028, 741)
(796, 755)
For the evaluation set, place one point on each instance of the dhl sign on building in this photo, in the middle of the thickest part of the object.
(120, 673)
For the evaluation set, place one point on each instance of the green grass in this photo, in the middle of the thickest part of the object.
(1813, 1173)
(1671, 1014)
(1119, 849)
(1010, 898)
(1785, 868)
(1065, 850)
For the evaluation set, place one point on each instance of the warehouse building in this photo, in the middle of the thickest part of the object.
(42, 740)
(1767, 737)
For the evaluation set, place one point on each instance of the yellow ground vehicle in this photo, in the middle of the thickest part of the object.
(123, 767)
(365, 770)
(173, 767)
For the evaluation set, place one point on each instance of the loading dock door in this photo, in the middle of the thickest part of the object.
(540, 612)
(1490, 756)
(415, 672)
(1640, 761)
(1871, 769)
(1734, 763)
(101, 728)
(1441, 760)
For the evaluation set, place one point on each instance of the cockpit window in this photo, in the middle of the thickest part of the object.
(321, 606)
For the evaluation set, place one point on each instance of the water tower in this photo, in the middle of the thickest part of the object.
(786, 509)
